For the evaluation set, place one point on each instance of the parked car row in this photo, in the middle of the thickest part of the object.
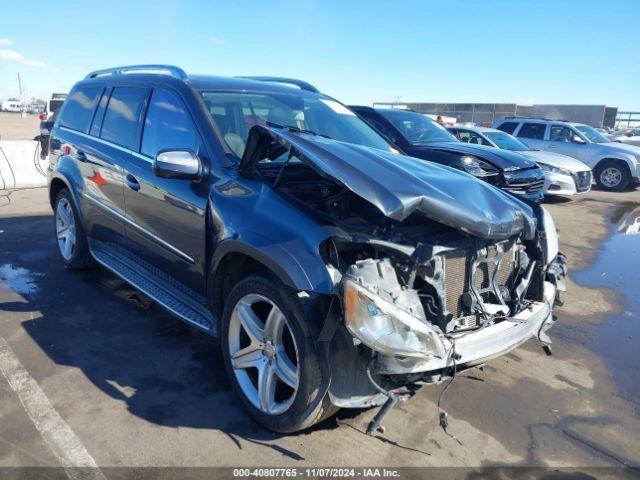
(630, 137)
(564, 175)
(616, 165)
(337, 271)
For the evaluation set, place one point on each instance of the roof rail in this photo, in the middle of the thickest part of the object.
(524, 117)
(175, 72)
(301, 84)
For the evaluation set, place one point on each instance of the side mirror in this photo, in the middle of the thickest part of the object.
(578, 140)
(181, 164)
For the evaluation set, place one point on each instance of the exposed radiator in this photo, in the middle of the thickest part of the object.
(456, 275)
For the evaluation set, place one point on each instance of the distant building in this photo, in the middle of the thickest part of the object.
(487, 113)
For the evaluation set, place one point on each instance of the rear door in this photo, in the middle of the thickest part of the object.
(99, 163)
(166, 225)
(533, 134)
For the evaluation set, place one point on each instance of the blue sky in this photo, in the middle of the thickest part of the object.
(541, 51)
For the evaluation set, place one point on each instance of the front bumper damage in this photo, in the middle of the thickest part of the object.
(450, 351)
(477, 347)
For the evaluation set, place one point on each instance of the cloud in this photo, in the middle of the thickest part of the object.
(16, 57)
(216, 40)
(6, 41)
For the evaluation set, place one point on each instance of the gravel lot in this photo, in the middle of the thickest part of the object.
(14, 127)
(129, 385)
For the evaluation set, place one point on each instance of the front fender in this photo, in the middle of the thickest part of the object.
(283, 262)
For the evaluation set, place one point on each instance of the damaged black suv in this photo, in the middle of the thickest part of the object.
(336, 272)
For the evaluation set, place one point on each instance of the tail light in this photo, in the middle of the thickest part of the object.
(42, 116)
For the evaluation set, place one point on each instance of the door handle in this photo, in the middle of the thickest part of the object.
(553, 146)
(132, 182)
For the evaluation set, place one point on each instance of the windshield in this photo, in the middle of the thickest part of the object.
(592, 134)
(506, 141)
(417, 128)
(234, 113)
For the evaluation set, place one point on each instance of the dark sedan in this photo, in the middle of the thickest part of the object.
(419, 136)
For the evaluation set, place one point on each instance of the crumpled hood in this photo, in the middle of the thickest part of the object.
(556, 160)
(399, 185)
(503, 159)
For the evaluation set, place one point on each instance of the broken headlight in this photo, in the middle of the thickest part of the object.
(476, 167)
(386, 328)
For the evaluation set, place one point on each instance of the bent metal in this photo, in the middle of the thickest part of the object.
(336, 272)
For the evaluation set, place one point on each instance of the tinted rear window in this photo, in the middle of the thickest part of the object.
(508, 127)
(532, 130)
(121, 118)
(78, 109)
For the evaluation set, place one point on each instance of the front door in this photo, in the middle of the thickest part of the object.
(166, 217)
(563, 139)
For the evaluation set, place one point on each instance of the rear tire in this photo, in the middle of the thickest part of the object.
(70, 236)
(613, 176)
(252, 350)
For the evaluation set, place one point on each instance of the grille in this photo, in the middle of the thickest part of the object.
(525, 186)
(583, 180)
(456, 275)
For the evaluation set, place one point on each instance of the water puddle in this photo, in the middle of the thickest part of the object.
(19, 279)
(617, 267)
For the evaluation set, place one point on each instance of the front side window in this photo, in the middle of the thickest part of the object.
(534, 131)
(560, 133)
(121, 117)
(167, 125)
(234, 113)
(417, 128)
(78, 109)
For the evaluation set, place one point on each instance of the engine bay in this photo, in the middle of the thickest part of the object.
(463, 283)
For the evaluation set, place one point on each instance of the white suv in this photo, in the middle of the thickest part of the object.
(615, 165)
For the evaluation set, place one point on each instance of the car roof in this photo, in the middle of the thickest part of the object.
(541, 120)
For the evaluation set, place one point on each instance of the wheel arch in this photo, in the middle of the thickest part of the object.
(55, 186)
(234, 260)
(620, 160)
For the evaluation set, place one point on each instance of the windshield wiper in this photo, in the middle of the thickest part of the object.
(292, 128)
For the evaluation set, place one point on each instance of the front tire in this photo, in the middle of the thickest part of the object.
(613, 176)
(70, 236)
(269, 355)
